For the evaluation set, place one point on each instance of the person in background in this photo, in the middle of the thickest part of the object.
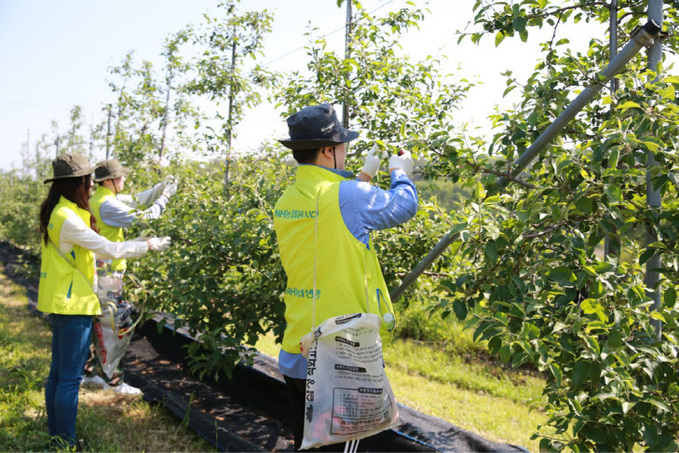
(336, 248)
(67, 280)
(114, 212)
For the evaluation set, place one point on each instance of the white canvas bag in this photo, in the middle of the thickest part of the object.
(113, 329)
(348, 395)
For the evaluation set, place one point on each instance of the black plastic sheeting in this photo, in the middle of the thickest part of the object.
(249, 411)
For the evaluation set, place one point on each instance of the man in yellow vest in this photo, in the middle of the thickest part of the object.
(115, 212)
(323, 224)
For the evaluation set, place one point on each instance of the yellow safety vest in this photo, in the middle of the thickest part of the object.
(343, 263)
(63, 288)
(113, 234)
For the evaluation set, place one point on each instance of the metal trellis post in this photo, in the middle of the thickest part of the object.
(653, 198)
(347, 42)
(615, 83)
(108, 133)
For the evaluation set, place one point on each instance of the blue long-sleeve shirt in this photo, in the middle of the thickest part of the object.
(364, 208)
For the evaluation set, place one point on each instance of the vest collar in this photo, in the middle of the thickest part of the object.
(85, 215)
(68, 203)
(104, 191)
(329, 174)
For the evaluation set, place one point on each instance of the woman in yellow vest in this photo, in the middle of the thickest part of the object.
(67, 281)
(323, 224)
(114, 212)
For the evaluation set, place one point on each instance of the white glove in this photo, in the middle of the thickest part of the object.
(372, 161)
(170, 189)
(149, 196)
(159, 244)
(169, 180)
(403, 162)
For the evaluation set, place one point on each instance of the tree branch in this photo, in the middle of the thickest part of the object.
(508, 176)
(566, 8)
(429, 274)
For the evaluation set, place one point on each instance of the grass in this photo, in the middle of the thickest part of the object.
(456, 381)
(498, 404)
(107, 421)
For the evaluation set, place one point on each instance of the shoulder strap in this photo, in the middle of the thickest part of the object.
(71, 263)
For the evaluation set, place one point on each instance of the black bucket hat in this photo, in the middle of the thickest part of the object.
(316, 126)
(70, 166)
(109, 169)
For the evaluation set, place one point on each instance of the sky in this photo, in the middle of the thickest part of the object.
(56, 53)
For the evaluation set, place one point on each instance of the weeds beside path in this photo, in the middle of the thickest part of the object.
(107, 421)
(498, 404)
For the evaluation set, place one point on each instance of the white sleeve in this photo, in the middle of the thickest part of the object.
(75, 232)
(127, 199)
(147, 197)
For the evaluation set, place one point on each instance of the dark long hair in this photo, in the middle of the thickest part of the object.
(75, 189)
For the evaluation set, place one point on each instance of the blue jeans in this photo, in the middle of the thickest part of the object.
(70, 346)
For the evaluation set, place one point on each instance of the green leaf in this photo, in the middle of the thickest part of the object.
(577, 325)
(596, 325)
(613, 193)
(448, 285)
(457, 228)
(499, 37)
(505, 353)
(629, 105)
(614, 339)
(493, 231)
(460, 309)
(491, 253)
(585, 205)
(647, 255)
(670, 297)
(592, 343)
(556, 372)
(594, 433)
(650, 435)
(626, 406)
(562, 275)
(580, 373)
(652, 146)
(530, 331)
(591, 306)
(603, 267)
(519, 23)
(494, 345)
(658, 402)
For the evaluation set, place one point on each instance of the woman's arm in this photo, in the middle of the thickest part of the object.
(75, 232)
